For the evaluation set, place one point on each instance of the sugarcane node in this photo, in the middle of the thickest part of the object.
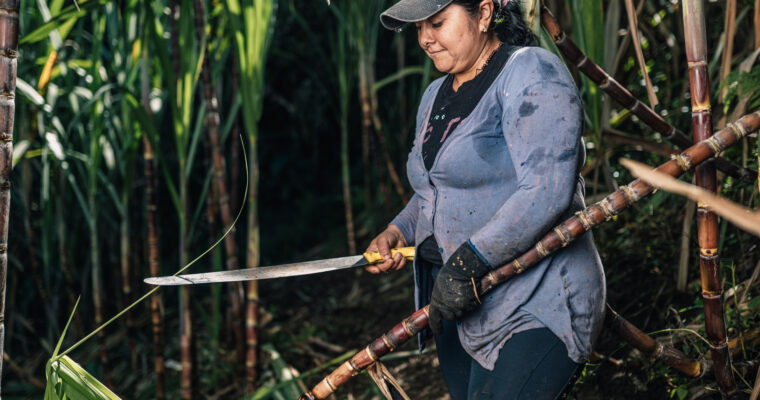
(426, 310)
(408, 327)
(582, 63)
(709, 253)
(541, 250)
(715, 143)
(606, 206)
(563, 233)
(370, 353)
(387, 343)
(658, 351)
(635, 107)
(352, 367)
(329, 384)
(630, 195)
(492, 279)
(5, 137)
(605, 84)
(738, 130)
(3, 248)
(696, 64)
(585, 221)
(517, 266)
(684, 161)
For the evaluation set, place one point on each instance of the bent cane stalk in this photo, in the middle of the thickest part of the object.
(8, 65)
(660, 352)
(706, 178)
(559, 237)
(618, 92)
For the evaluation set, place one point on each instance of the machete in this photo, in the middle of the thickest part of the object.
(279, 271)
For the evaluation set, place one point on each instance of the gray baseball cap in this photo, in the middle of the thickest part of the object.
(406, 11)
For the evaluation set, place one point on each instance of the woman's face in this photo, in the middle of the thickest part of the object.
(453, 38)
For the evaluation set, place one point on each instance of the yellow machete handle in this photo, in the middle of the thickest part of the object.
(374, 256)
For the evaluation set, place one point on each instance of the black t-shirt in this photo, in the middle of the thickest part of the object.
(450, 108)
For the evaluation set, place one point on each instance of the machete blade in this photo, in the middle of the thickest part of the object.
(258, 273)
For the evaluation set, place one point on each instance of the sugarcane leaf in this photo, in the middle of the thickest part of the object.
(74, 186)
(682, 392)
(201, 205)
(57, 21)
(283, 372)
(28, 91)
(65, 328)
(195, 137)
(111, 190)
(231, 117)
(55, 145)
(19, 150)
(398, 75)
(83, 383)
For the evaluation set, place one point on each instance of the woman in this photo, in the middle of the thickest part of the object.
(495, 165)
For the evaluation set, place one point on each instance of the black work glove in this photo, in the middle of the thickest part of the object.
(454, 292)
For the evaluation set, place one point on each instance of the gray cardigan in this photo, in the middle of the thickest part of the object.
(502, 179)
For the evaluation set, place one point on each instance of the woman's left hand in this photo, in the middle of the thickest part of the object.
(455, 289)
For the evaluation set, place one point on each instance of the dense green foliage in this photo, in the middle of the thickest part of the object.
(337, 96)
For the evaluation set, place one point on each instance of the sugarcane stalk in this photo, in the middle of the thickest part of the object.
(668, 355)
(151, 207)
(252, 289)
(96, 272)
(341, 68)
(180, 129)
(8, 64)
(620, 94)
(126, 285)
(220, 185)
(706, 178)
(559, 237)
(366, 127)
(756, 23)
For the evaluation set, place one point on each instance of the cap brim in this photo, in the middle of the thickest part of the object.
(406, 11)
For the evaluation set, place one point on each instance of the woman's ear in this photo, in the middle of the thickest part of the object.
(485, 13)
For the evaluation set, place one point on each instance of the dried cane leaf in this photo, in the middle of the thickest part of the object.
(633, 26)
(742, 217)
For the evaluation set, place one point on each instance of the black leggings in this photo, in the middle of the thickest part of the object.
(533, 365)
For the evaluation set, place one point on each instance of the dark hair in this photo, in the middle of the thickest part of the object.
(507, 23)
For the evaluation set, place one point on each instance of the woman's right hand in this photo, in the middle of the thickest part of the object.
(390, 238)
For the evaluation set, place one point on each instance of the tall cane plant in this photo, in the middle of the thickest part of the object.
(8, 65)
(707, 221)
(252, 24)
